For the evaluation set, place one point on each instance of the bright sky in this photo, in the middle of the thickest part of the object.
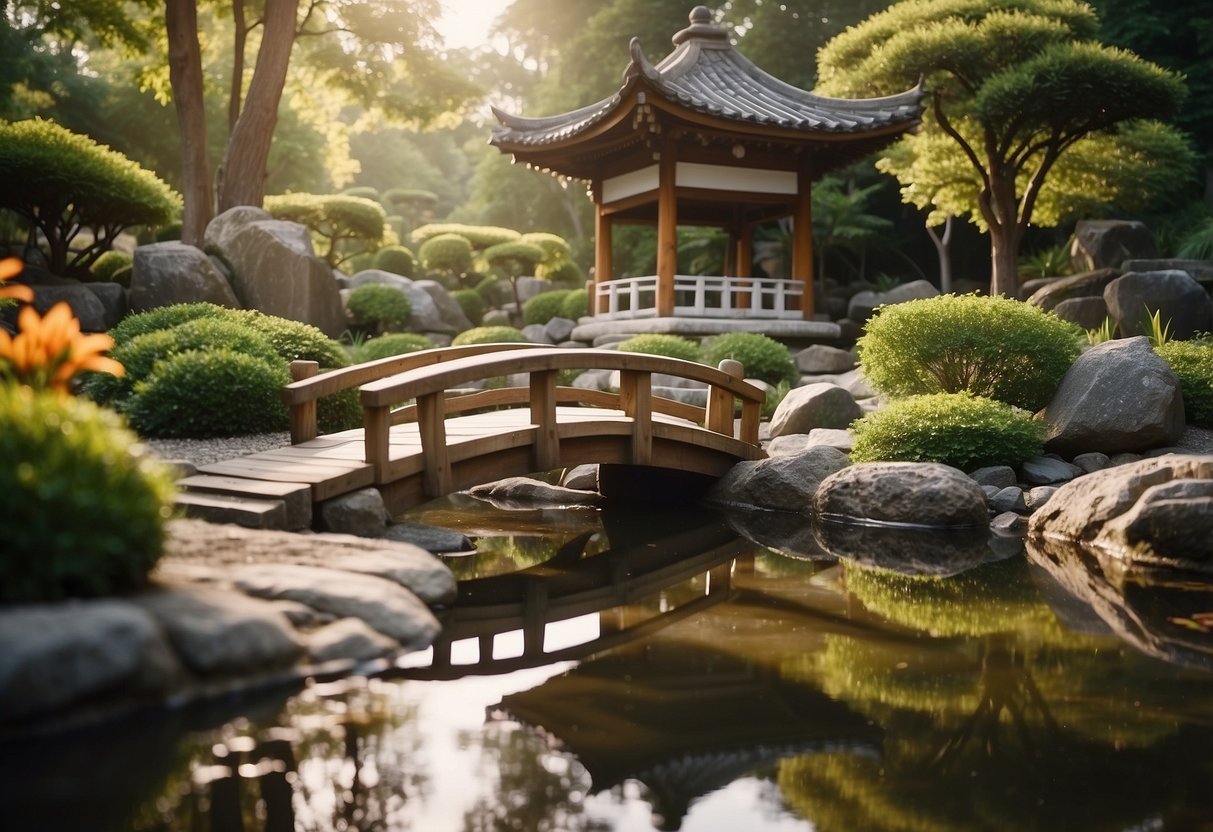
(465, 23)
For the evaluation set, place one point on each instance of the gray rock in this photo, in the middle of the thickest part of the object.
(424, 315)
(56, 655)
(497, 317)
(361, 513)
(431, 538)
(814, 406)
(1044, 470)
(594, 380)
(786, 483)
(559, 329)
(824, 359)
(1008, 523)
(581, 477)
(221, 230)
(1200, 270)
(855, 383)
(216, 632)
(907, 551)
(1179, 300)
(349, 639)
(536, 334)
(1088, 313)
(1083, 285)
(1038, 497)
(794, 443)
(902, 493)
(524, 491)
(529, 287)
(1123, 458)
(449, 310)
(163, 274)
(384, 605)
(84, 304)
(1152, 511)
(114, 302)
(999, 476)
(1094, 461)
(1099, 244)
(1007, 499)
(863, 304)
(1118, 396)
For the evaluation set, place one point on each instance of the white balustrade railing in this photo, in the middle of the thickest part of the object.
(704, 296)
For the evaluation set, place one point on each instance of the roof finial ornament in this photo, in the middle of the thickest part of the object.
(701, 27)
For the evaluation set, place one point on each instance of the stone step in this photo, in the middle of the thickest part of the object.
(249, 512)
(296, 495)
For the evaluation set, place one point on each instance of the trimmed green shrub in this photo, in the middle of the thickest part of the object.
(1192, 363)
(995, 347)
(164, 317)
(362, 192)
(576, 304)
(544, 306)
(762, 357)
(59, 182)
(395, 259)
(360, 262)
(958, 429)
(489, 335)
(335, 221)
(514, 259)
(478, 236)
(294, 340)
(210, 393)
(122, 276)
(113, 497)
(110, 262)
(471, 303)
(671, 346)
(397, 343)
(494, 290)
(379, 307)
(446, 253)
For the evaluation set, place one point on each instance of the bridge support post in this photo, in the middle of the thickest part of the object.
(376, 422)
(303, 414)
(543, 415)
(431, 424)
(636, 401)
(718, 417)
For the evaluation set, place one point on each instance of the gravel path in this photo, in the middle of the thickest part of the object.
(206, 451)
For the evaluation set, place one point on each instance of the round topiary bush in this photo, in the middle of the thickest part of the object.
(671, 346)
(395, 259)
(398, 343)
(164, 317)
(210, 393)
(107, 264)
(63, 457)
(379, 307)
(576, 304)
(544, 306)
(957, 429)
(995, 347)
(489, 335)
(1192, 363)
(294, 340)
(471, 303)
(446, 253)
(762, 357)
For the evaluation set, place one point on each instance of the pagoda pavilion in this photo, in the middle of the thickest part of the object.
(705, 138)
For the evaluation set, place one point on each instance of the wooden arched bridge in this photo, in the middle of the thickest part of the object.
(425, 434)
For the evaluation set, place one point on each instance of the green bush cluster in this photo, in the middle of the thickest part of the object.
(471, 303)
(110, 263)
(1192, 363)
(493, 290)
(544, 306)
(84, 507)
(963, 430)
(163, 317)
(336, 222)
(489, 335)
(477, 236)
(762, 357)
(379, 307)
(576, 304)
(446, 253)
(996, 347)
(397, 343)
(671, 346)
(395, 259)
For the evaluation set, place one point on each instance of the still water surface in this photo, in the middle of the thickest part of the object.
(657, 672)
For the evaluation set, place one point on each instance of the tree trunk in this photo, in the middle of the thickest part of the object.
(943, 249)
(1004, 262)
(242, 176)
(185, 76)
(239, 44)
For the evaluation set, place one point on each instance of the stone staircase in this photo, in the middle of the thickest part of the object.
(254, 504)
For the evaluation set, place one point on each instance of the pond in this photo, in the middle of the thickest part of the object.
(647, 670)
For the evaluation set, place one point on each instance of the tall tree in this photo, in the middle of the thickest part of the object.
(1015, 84)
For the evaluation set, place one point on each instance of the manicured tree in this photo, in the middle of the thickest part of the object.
(60, 182)
(1014, 84)
(514, 260)
(333, 220)
(449, 253)
(479, 236)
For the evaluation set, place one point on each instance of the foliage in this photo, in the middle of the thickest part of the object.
(774, 398)
(163, 317)
(97, 476)
(379, 307)
(514, 258)
(341, 226)
(294, 340)
(671, 346)
(842, 220)
(214, 392)
(479, 236)
(489, 335)
(471, 303)
(1156, 330)
(567, 272)
(59, 182)
(1192, 363)
(544, 306)
(958, 429)
(996, 347)
(576, 304)
(493, 290)
(447, 253)
(109, 263)
(48, 352)
(1197, 243)
(395, 259)
(1105, 332)
(397, 343)
(1053, 261)
(763, 357)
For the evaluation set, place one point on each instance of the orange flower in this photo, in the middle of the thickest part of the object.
(49, 351)
(11, 267)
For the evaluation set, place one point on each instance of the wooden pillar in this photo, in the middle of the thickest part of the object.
(667, 231)
(802, 241)
(303, 414)
(602, 258)
(745, 251)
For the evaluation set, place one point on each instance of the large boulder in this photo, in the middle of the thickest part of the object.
(222, 230)
(1199, 270)
(1099, 244)
(1085, 285)
(785, 483)
(114, 301)
(822, 359)
(863, 304)
(275, 269)
(914, 494)
(1118, 396)
(1088, 313)
(820, 405)
(85, 305)
(449, 310)
(1154, 511)
(1178, 299)
(163, 274)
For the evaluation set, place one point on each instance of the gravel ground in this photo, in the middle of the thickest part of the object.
(206, 451)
